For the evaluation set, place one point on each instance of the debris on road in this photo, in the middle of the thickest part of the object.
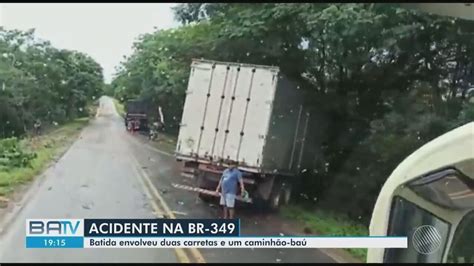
(281, 234)
(180, 213)
(207, 192)
(85, 185)
(164, 191)
(181, 203)
(50, 188)
(87, 206)
(4, 199)
(278, 260)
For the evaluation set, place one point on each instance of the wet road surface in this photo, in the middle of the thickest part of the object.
(94, 179)
(98, 178)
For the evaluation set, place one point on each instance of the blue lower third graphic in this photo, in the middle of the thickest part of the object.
(54, 242)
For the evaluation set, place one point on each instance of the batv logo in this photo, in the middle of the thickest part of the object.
(50, 227)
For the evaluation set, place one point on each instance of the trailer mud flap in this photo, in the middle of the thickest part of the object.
(208, 192)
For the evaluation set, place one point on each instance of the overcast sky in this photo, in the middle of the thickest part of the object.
(104, 31)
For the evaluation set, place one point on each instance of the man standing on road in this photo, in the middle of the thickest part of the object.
(231, 177)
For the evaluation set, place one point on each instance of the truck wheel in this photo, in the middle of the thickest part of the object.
(277, 196)
(274, 202)
(286, 193)
(280, 195)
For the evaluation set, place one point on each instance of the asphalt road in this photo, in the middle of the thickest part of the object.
(99, 177)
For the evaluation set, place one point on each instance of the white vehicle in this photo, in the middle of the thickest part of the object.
(249, 114)
(430, 199)
(430, 196)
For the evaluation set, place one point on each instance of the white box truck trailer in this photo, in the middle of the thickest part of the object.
(246, 113)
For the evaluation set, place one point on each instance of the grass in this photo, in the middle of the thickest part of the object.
(329, 224)
(46, 147)
(119, 107)
(165, 142)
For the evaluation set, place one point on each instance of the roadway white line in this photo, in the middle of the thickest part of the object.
(150, 147)
(157, 150)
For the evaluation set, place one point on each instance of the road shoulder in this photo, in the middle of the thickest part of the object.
(279, 223)
(296, 228)
(23, 192)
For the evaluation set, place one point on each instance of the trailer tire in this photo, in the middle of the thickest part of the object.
(286, 193)
(275, 201)
(280, 195)
(276, 196)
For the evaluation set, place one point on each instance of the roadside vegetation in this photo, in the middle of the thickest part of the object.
(23, 159)
(323, 222)
(166, 142)
(119, 107)
(385, 80)
(40, 84)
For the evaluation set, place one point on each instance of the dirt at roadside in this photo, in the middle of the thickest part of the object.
(296, 228)
(11, 205)
(275, 225)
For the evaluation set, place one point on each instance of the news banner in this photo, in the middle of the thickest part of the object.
(177, 233)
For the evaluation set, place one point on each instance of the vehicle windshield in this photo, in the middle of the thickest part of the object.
(427, 234)
(462, 248)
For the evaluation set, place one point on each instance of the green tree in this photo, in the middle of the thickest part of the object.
(385, 80)
(41, 82)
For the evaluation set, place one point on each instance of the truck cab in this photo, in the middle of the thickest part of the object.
(429, 198)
